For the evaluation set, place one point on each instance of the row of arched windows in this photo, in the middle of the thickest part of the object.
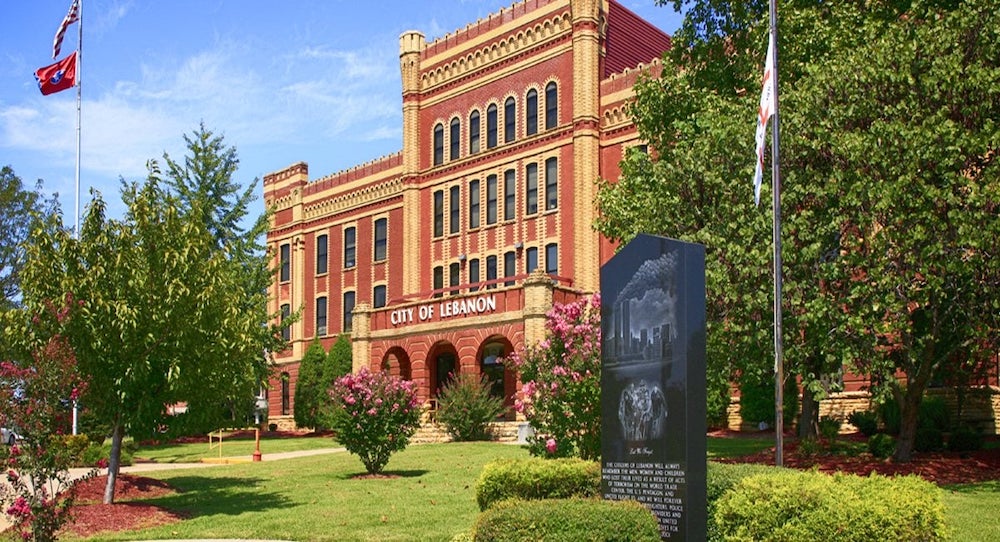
(475, 143)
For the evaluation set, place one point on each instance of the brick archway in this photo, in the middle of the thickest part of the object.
(396, 362)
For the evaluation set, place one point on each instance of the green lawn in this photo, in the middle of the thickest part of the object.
(431, 496)
(318, 498)
(720, 448)
(971, 511)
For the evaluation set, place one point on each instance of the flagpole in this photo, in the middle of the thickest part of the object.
(79, 104)
(779, 421)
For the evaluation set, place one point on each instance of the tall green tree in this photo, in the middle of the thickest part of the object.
(909, 134)
(340, 359)
(204, 183)
(161, 319)
(312, 398)
(699, 116)
(20, 210)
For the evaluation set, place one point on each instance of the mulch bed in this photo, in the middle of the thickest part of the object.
(91, 517)
(942, 468)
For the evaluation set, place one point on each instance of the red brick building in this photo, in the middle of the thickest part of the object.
(446, 255)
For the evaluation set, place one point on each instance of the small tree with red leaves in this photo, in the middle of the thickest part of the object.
(38, 383)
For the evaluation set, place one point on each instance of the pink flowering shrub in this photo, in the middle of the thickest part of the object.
(375, 414)
(38, 379)
(561, 382)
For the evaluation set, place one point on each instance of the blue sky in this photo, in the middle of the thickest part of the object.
(299, 80)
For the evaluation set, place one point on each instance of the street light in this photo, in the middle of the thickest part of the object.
(260, 408)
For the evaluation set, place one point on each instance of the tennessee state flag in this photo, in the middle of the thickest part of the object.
(58, 76)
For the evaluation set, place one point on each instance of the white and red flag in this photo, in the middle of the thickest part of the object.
(767, 107)
(71, 17)
(59, 76)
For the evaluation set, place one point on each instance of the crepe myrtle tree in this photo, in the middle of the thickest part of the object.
(561, 382)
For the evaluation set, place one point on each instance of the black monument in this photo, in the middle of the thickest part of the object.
(653, 382)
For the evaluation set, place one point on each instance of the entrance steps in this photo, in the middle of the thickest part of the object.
(431, 432)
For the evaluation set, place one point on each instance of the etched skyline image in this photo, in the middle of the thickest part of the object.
(644, 325)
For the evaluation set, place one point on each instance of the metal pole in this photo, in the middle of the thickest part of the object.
(79, 102)
(779, 423)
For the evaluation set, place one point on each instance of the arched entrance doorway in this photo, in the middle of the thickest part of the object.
(501, 378)
(442, 362)
(396, 362)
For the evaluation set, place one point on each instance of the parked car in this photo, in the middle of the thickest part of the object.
(8, 436)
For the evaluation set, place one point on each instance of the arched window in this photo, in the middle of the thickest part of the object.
(491, 126)
(509, 116)
(348, 311)
(473, 204)
(531, 113)
(286, 395)
(321, 316)
(322, 241)
(454, 209)
(552, 259)
(381, 239)
(454, 136)
(492, 368)
(551, 106)
(378, 296)
(474, 132)
(551, 192)
(438, 144)
(531, 189)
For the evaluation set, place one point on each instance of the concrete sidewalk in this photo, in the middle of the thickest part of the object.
(152, 467)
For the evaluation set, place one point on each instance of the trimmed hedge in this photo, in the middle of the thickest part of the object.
(567, 520)
(790, 506)
(537, 478)
(720, 478)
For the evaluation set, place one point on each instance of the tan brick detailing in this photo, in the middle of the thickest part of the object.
(586, 140)
(298, 295)
(412, 229)
(411, 44)
(361, 332)
(501, 49)
(537, 302)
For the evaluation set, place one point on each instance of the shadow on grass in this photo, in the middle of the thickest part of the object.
(992, 486)
(209, 496)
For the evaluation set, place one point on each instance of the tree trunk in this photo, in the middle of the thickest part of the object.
(908, 412)
(113, 462)
(809, 415)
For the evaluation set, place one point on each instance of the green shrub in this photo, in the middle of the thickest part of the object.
(757, 401)
(720, 478)
(865, 420)
(881, 445)
(96, 454)
(567, 520)
(466, 407)
(965, 439)
(934, 414)
(537, 478)
(809, 447)
(928, 439)
(793, 506)
(73, 446)
(888, 412)
(829, 427)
